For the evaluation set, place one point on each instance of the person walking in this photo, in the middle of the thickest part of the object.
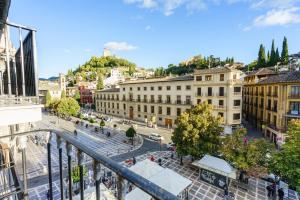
(274, 189)
(269, 189)
(280, 194)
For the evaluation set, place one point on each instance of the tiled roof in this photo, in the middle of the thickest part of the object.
(166, 79)
(287, 77)
(110, 90)
(262, 71)
(214, 70)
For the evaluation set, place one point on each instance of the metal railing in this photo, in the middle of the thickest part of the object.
(123, 174)
(12, 101)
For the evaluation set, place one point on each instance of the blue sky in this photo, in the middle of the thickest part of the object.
(155, 33)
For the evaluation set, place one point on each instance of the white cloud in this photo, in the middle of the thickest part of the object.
(148, 28)
(276, 17)
(87, 50)
(273, 3)
(119, 46)
(195, 5)
(143, 3)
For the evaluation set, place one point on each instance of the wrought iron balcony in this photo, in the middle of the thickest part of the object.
(68, 141)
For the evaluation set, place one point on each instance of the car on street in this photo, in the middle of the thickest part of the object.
(155, 136)
(171, 146)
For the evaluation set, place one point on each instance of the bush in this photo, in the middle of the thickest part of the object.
(91, 120)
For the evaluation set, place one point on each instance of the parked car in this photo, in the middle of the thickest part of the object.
(155, 136)
(171, 146)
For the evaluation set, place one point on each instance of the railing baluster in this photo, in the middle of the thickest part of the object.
(50, 192)
(80, 156)
(121, 187)
(59, 146)
(69, 153)
(97, 177)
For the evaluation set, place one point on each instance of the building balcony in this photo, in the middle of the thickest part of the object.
(152, 101)
(198, 94)
(237, 93)
(219, 107)
(70, 144)
(178, 102)
(261, 94)
(293, 114)
(221, 95)
(294, 96)
(159, 101)
(187, 103)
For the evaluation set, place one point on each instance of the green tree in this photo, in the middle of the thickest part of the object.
(131, 133)
(48, 98)
(250, 156)
(272, 60)
(63, 94)
(75, 174)
(285, 52)
(197, 131)
(100, 84)
(68, 107)
(261, 60)
(77, 96)
(251, 66)
(277, 56)
(286, 163)
(102, 124)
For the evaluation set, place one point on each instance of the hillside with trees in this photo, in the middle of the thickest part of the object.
(98, 67)
(196, 62)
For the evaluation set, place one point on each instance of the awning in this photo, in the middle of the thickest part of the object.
(163, 177)
(216, 165)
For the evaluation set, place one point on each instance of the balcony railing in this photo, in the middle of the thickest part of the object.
(123, 174)
(294, 96)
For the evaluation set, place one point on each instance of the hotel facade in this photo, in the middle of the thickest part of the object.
(161, 100)
(271, 100)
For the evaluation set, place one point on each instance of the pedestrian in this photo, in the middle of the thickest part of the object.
(75, 132)
(280, 194)
(48, 194)
(152, 158)
(226, 193)
(269, 189)
(274, 189)
(133, 160)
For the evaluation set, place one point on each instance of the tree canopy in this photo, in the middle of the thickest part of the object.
(286, 162)
(68, 107)
(251, 156)
(131, 133)
(285, 52)
(197, 132)
(48, 98)
(100, 84)
(63, 94)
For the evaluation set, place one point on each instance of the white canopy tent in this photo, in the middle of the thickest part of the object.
(216, 165)
(163, 177)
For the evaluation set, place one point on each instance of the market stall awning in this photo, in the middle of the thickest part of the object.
(216, 165)
(163, 177)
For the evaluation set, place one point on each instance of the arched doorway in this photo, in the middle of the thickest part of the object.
(130, 112)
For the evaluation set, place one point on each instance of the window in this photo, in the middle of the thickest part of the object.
(188, 87)
(160, 119)
(159, 99)
(152, 109)
(237, 102)
(139, 98)
(295, 91)
(209, 91)
(159, 110)
(113, 105)
(138, 88)
(117, 105)
(178, 99)
(221, 77)
(152, 88)
(221, 103)
(145, 88)
(199, 91)
(188, 100)
(130, 88)
(123, 89)
(198, 78)
(221, 114)
(208, 77)
(178, 87)
(209, 101)
(274, 120)
(168, 87)
(152, 98)
(234, 76)
(145, 116)
(139, 108)
(159, 87)
(178, 111)
(145, 98)
(294, 108)
(221, 91)
(168, 99)
(145, 108)
(168, 111)
(139, 115)
(237, 89)
(236, 116)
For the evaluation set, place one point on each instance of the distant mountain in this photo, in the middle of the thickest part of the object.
(52, 78)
